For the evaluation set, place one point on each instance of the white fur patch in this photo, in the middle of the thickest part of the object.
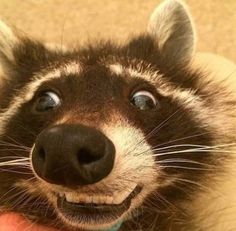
(138, 72)
(116, 68)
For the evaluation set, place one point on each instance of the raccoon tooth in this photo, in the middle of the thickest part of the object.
(109, 200)
(72, 198)
(119, 197)
(61, 194)
(102, 200)
(69, 197)
(116, 198)
(105, 200)
(87, 199)
(95, 200)
(124, 195)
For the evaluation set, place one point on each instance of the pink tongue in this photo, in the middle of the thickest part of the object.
(15, 222)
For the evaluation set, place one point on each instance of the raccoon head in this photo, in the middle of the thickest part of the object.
(106, 134)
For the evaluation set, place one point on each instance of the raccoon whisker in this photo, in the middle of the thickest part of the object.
(37, 203)
(17, 195)
(15, 141)
(161, 166)
(155, 206)
(13, 149)
(15, 162)
(163, 199)
(183, 138)
(19, 159)
(7, 144)
(126, 183)
(13, 157)
(9, 191)
(179, 145)
(221, 145)
(187, 151)
(152, 132)
(156, 129)
(187, 168)
(153, 226)
(28, 167)
(173, 146)
(196, 184)
(20, 201)
(181, 160)
(6, 166)
(14, 171)
(201, 147)
(48, 207)
(21, 167)
(190, 151)
(24, 195)
(24, 200)
(15, 187)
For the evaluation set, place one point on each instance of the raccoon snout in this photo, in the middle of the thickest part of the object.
(72, 155)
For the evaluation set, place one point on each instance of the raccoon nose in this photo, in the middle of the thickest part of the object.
(72, 155)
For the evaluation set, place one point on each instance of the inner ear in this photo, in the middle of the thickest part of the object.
(172, 28)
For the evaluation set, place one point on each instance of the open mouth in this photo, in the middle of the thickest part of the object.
(90, 211)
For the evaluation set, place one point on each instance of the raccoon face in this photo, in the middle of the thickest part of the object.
(106, 134)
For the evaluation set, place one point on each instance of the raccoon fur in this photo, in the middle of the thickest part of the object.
(117, 137)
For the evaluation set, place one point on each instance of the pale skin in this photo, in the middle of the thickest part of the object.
(16, 222)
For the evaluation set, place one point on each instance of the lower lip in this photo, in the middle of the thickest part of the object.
(94, 214)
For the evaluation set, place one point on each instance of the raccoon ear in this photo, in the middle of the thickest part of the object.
(8, 40)
(21, 55)
(172, 28)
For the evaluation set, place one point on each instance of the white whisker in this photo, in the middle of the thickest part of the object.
(183, 167)
(17, 162)
(179, 160)
(153, 131)
(183, 138)
(190, 151)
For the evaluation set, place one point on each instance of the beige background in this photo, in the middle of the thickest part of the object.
(73, 21)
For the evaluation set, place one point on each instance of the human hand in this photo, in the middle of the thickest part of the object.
(16, 222)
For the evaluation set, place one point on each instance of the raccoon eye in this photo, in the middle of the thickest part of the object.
(47, 101)
(144, 100)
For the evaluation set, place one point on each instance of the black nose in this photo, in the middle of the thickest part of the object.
(72, 155)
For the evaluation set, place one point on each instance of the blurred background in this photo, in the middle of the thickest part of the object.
(74, 21)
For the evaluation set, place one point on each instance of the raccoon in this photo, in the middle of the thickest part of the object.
(117, 136)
